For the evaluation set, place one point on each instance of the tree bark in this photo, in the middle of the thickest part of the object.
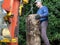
(33, 30)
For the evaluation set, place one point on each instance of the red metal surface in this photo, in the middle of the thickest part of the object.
(12, 26)
(6, 5)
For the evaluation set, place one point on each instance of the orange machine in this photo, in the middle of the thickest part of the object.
(12, 7)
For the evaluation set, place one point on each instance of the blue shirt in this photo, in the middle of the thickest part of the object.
(43, 11)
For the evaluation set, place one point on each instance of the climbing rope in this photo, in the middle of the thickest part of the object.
(31, 10)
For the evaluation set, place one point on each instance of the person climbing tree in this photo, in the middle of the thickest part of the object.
(42, 15)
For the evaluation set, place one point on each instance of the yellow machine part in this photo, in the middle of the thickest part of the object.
(7, 16)
(21, 6)
(6, 32)
(20, 9)
(8, 40)
(25, 1)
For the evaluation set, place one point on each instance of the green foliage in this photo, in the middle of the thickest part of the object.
(53, 31)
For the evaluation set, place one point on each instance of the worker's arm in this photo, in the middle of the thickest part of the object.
(45, 14)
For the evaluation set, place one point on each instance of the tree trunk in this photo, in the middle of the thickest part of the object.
(33, 30)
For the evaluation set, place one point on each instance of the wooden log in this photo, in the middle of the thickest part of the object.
(33, 30)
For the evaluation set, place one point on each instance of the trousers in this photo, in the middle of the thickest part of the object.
(44, 37)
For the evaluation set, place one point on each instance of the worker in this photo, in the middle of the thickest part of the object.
(42, 15)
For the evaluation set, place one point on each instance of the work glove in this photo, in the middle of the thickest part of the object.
(37, 17)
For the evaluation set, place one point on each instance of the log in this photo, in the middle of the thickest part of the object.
(33, 30)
